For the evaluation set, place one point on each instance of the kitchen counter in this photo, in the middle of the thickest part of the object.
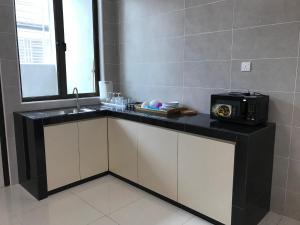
(253, 159)
(198, 124)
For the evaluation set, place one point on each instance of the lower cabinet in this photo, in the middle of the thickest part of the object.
(193, 170)
(123, 141)
(93, 147)
(75, 151)
(205, 176)
(157, 160)
(62, 157)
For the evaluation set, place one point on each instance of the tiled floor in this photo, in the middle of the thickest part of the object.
(106, 201)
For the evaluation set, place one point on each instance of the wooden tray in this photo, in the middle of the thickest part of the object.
(169, 112)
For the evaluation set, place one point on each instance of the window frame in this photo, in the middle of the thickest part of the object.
(61, 56)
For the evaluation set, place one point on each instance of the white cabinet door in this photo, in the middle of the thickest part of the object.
(93, 147)
(205, 176)
(157, 160)
(62, 156)
(122, 137)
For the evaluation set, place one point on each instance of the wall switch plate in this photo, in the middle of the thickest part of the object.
(246, 66)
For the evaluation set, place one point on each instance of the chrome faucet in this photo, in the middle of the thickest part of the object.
(75, 91)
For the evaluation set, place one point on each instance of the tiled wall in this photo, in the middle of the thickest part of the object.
(10, 78)
(109, 45)
(188, 49)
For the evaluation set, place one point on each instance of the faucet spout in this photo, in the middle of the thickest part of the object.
(75, 91)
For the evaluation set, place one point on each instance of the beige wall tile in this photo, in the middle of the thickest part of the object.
(266, 42)
(294, 176)
(295, 145)
(210, 17)
(257, 12)
(277, 200)
(280, 172)
(282, 141)
(293, 206)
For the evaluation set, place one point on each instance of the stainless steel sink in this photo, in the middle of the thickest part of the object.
(68, 111)
(76, 111)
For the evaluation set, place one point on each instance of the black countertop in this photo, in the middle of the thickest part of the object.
(199, 124)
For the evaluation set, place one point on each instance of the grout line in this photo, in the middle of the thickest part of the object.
(209, 32)
(215, 31)
(171, 62)
(204, 4)
(154, 38)
(295, 126)
(190, 219)
(94, 221)
(88, 203)
(295, 160)
(292, 121)
(176, 10)
(211, 3)
(231, 48)
(266, 25)
(108, 216)
(208, 88)
(124, 206)
(109, 213)
(184, 44)
(287, 158)
(257, 59)
(172, 86)
(268, 91)
(198, 61)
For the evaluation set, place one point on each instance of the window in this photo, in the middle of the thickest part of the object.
(79, 58)
(58, 48)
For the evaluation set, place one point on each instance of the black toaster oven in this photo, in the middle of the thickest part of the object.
(244, 108)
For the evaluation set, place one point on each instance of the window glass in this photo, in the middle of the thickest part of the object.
(37, 50)
(79, 38)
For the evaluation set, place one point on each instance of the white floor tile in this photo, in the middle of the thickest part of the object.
(197, 221)
(271, 219)
(104, 221)
(110, 196)
(63, 209)
(10, 221)
(150, 211)
(15, 201)
(94, 183)
(289, 221)
(125, 205)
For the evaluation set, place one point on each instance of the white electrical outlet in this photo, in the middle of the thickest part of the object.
(246, 66)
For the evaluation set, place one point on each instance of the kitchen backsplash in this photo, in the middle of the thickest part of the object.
(186, 50)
